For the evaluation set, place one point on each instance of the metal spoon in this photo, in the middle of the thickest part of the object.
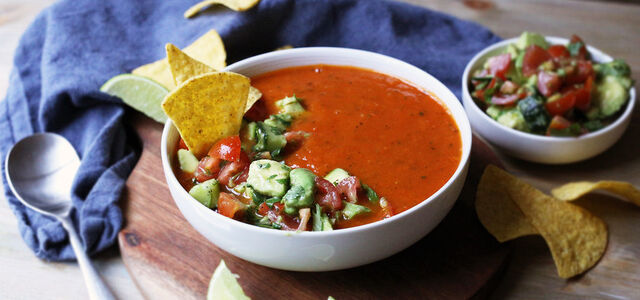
(40, 170)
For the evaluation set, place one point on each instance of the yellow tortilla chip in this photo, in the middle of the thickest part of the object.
(237, 5)
(207, 49)
(575, 190)
(183, 66)
(254, 96)
(576, 238)
(207, 108)
(285, 47)
(497, 212)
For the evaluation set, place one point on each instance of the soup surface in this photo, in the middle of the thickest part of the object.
(396, 138)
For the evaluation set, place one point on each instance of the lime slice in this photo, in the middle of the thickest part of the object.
(224, 285)
(141, 93)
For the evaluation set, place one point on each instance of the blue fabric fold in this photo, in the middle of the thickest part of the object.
(74, 46)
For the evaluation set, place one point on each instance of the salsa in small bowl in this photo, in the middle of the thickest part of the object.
(548, 100)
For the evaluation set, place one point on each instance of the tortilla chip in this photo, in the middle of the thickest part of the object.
(237, 5)
(207, 108)
(254, 96)
(285, 47)
(497, 212)
(575, 190)
(207, 49)
(183, 66)
(576, 238)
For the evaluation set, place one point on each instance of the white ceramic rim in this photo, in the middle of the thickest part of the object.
(463, 126)
(543, 138)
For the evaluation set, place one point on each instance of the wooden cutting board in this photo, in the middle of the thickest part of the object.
(168, 259)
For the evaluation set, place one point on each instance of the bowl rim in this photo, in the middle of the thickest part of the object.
(463, 125)
(536, 137)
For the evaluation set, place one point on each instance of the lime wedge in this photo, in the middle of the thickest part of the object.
(141, 93)
(224, 285)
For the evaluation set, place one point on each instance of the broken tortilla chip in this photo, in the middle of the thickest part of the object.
(574, 190)
(576, 238)
(183, 67)
(207, 108)
(237, 5)
(207, 49)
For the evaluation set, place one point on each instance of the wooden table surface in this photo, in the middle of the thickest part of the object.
(611, 26)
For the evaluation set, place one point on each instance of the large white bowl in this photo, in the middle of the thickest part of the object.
(339, 249)
(539, 148)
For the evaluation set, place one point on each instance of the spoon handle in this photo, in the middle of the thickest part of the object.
(98, 290)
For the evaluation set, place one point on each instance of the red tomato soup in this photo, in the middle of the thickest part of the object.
(395, 137)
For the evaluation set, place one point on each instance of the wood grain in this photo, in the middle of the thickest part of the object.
(167, 258)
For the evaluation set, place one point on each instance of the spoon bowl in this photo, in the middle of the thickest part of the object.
(40, 170)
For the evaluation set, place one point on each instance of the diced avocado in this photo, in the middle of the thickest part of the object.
(268, 177)
(188, 162)
(317, 218)
(610, 96)
(593, 113)
(351, 210)
(302, 190)
(267, 138)
(626, 82)
(512, 118)
(326, 224)
(494, 111)
(321, 220)
(529, 38)
(512, 50)
(534, 113)
(617, 67)
(280, 121)
(519, 60)
(206, 193)
(291, 106)
(336, 175)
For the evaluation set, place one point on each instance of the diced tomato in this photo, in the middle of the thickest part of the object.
(277, 215)
(243, 176)
(479, 94)
(499, 65)
(257, 112)
(229, 206)
(227, 149)
(505, 99)
(233, 168)
(583, 70)
(548, 83)
(263, 209)
(208, 168)
(583, 95)
(182, 145)
(582, 53)
(558, 123)
(558, 51)
(563, 104)
(349, 187)
(533, 57)
(295, 136)
(327, 194)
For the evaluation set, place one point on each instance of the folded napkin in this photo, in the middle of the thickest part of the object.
(74, 46)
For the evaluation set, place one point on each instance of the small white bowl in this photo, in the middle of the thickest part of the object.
(339, 249)
(539, 148)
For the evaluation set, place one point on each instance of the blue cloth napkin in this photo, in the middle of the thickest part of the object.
(74, 46)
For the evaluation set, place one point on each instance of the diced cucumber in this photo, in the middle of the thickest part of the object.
(268, 177)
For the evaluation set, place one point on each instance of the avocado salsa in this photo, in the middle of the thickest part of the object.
(291, 167)
(553, 90)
